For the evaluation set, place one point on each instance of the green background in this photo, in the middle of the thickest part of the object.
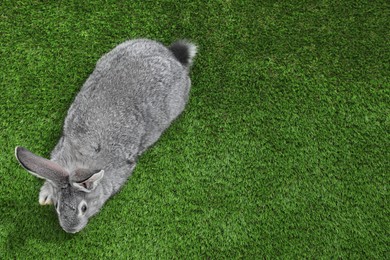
(282, 151)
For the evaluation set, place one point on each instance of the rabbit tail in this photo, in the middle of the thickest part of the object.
(184, 52)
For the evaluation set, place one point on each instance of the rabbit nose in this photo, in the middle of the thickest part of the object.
(66, 217)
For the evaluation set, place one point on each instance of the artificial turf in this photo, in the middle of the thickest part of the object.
(282, 151)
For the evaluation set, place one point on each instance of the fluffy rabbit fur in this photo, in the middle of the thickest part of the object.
(132, 96)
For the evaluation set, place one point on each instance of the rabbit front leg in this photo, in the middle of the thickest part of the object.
(46, 194)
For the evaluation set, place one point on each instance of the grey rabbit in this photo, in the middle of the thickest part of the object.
(134, 93)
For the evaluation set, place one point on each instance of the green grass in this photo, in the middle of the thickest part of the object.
(283, 150)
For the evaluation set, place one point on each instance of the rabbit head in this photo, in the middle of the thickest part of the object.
(75, 195)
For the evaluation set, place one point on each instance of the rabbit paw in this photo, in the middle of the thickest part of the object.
(45, 195)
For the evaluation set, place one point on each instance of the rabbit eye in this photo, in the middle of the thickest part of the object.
(84, 208)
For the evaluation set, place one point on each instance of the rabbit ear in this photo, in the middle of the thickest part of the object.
(91, 180)
(41, 167)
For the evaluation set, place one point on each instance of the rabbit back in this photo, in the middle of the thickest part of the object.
(132, 96)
